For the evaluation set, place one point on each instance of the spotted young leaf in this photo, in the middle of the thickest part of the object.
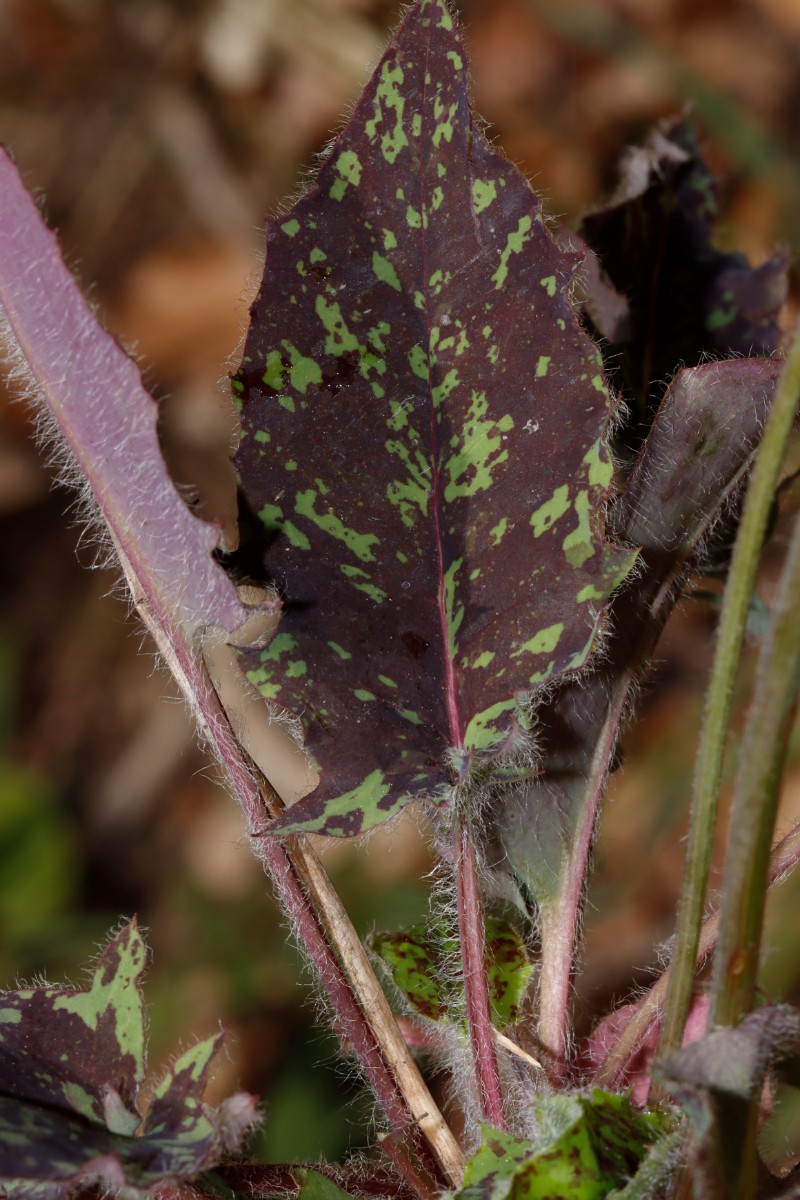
(423, 440)
(587, 1148)
(417, 962)
(71, 1070)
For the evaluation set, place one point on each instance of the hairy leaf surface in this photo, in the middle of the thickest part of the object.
(70, 1048)
(91, 395)
(315, 1186)
(688, 471)
(360, 1177)
(699, 445)
(423, 426)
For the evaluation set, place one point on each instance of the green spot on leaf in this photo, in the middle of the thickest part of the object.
(348, 166)
(340, 650)
(416, 487)
(484, 191)
(385, 271)
(551, 511)
(601, 469)
(544, 642)
(514, 243)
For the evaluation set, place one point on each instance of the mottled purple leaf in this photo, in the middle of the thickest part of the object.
(187, 1137)
(43, 1149)
(423, 425)
(79, 1049)
(71, 1066)
(685, 299)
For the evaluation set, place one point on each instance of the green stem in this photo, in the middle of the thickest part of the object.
(708, 768)
(755, 802)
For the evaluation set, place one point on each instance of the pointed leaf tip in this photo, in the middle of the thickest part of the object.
(69, 1047)
(423, 438)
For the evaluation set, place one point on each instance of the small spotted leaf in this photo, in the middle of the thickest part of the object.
(71, 1066)
(423, 440)
(587, 1147)
(70, 1047)
(417, 960)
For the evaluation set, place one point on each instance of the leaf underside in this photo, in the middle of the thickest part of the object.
(93, 394)
(423, 425)
(719, 1078)
(683, 299)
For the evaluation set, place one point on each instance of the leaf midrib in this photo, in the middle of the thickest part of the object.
(450, 688)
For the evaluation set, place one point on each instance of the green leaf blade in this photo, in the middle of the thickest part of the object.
(414, 961)
(509, 971)
(489, 1172)
(423, 439)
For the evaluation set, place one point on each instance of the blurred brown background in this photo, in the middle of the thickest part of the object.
(159, 133)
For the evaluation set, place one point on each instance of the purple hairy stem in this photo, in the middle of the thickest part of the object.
(476, 988)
